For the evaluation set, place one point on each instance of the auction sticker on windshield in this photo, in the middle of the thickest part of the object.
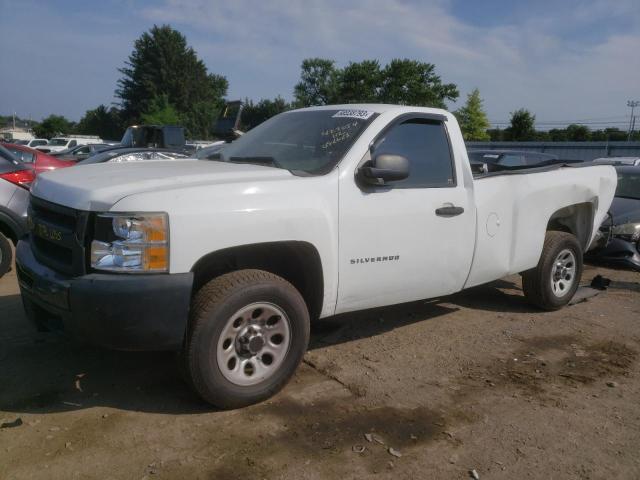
(361, 114)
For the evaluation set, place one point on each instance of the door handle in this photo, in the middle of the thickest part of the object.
(449, 211)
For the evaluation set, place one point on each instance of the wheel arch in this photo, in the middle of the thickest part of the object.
(297, 262)
(576, 219)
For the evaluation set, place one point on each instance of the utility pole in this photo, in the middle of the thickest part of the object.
(632, 121)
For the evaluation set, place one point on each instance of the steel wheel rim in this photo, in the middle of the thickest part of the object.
(253, 344)
(563, 273)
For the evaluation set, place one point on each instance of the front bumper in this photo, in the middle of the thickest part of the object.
(119, 311)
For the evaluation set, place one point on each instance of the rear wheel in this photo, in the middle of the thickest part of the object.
(6, 255)
(249, 331)
(554, 281)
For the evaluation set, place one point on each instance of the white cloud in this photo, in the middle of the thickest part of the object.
(563, 60)
(550, 61)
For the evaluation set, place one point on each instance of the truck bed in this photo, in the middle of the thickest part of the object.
(514, 208)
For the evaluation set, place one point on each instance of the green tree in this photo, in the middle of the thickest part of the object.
(318, 83)
(163, 64)
(102, 121)
(612, 135)
(496, 135)
(558, 135)
(522, 126)
(53, 125)
(410, 82)
(360, 82)
(578, 133)
(254, 114)
(406, 82)
(473, 119)
(160, 112)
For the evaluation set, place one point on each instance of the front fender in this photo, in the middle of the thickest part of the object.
(205, 219)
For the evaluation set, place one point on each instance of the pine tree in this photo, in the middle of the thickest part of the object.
(473, 119)
(163, 64)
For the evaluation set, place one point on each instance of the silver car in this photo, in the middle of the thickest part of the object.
(15, 180)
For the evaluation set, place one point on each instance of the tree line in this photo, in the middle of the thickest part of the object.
(164, 82)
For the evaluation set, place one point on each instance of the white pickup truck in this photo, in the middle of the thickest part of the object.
(313, 213)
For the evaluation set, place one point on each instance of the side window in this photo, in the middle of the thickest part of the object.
(426, 145)
(26, 157)
(72, 144)
(511, 160)
(173, 137)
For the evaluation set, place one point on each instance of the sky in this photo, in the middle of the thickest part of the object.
(565, 60)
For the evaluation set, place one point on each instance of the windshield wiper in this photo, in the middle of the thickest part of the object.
(257, 160)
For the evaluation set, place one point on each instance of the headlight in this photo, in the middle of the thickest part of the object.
(628, 231)
(131, 242)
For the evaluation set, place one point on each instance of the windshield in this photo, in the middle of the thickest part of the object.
(628, 185)
(311, 141)
(58, 142)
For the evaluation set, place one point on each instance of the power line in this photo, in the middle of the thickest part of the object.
(566, 123)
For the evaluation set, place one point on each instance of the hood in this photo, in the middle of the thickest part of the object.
(99, 186)
(625, 210)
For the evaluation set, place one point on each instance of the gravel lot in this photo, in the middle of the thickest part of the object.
(478, 380)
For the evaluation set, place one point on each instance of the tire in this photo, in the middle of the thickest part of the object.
(554, 281)
(247, 335)
(6, 255)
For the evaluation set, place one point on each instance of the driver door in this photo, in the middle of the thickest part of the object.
(399, 242)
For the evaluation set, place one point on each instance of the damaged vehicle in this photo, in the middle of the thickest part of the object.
(15, 179)
(618, 241)
(313, 213)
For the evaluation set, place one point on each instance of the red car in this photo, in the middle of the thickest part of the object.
(40, 161)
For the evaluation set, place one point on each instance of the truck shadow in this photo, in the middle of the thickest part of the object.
(46, 373)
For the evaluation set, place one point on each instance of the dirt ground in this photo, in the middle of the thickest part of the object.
(476, 381)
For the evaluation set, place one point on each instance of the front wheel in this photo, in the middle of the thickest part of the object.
(249, 331)
(554, 281)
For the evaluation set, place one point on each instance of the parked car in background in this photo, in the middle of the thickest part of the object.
(58, 144)
(81, 152)
(618, 161)
(124, 154)
(618, 241)
(507, 158)
(15, 180)
(33, 143)
(40, 161)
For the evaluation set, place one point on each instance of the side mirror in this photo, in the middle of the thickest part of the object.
(385, 168)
